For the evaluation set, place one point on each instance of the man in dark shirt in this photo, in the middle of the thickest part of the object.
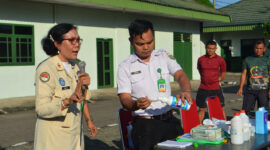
(256, 69)
(212, 69)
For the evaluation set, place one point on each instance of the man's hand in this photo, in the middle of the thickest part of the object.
(184, 95)
(181, 77)
(240, 92)
(143, 102)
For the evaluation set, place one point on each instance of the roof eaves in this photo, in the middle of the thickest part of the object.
(160, 10)
(214, 11)
(249, 27)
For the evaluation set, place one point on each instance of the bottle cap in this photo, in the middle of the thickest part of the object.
(242, 111)
(236, 114)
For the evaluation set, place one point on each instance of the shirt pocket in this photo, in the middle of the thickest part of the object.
(137, 80)
(166, 76)
(58, 96)
(164, 73)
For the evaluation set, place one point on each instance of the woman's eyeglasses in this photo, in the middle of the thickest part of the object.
(74, 40)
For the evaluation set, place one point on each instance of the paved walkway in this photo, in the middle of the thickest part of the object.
(24, 103)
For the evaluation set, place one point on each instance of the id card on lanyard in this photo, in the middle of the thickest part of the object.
(161, 82)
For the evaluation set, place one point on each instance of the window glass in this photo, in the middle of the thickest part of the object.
(23, 30)
(3, 48)
(6, 29)
(106, 48)
(16, 45)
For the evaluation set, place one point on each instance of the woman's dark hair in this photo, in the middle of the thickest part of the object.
(138, 27)
(55, 34)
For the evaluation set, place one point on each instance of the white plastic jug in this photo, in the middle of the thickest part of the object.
(245, 125)
(236, 130)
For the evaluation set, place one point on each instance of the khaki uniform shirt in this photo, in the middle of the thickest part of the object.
(57, 129)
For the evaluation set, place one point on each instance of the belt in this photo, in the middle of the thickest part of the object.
(165, 116)
(62, 118)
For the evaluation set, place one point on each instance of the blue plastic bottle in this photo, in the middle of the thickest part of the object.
(261, 121)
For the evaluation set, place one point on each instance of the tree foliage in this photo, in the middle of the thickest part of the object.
(266, 29)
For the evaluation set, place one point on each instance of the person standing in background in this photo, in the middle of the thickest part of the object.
(212, 69)
(256, 69)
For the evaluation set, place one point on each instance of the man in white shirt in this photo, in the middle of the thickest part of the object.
(145, 76)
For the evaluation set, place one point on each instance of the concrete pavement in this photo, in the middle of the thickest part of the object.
(18, 127)
(26, 103)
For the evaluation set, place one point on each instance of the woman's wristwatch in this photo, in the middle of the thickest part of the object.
(63, 104)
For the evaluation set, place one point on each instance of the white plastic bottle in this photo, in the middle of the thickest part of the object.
(236, 130)
(172, 101)
(252, 130)
(245, 125)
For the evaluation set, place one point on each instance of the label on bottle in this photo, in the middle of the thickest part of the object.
(179, 104)
(185, 106)
(175, 103)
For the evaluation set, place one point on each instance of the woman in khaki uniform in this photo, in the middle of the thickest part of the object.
(59, 97)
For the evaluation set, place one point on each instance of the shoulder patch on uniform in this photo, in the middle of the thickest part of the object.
(170, 56)
(44, 77)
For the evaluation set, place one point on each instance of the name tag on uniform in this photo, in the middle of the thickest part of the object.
(161, 85)
(136, 72)
(161, 82)
(65, 87)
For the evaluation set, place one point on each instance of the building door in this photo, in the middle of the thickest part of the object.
(105, 63)
(226, 52)
(183, 51)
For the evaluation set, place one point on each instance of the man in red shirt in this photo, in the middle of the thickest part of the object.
(212, 69)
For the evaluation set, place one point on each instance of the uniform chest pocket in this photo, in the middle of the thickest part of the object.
(137, 78)
(164, 72)
(62, 92)
(166, 76)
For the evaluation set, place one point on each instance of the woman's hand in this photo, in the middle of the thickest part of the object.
(73, 98)
(76, 96)
(84, 78)
(92, 128)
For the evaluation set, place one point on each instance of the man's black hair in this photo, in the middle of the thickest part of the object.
(138, 27)
(259, 42)
(211, 43)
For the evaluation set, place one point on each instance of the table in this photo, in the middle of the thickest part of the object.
(256, 142)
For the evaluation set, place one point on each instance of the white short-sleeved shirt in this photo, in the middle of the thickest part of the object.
(140, 79)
